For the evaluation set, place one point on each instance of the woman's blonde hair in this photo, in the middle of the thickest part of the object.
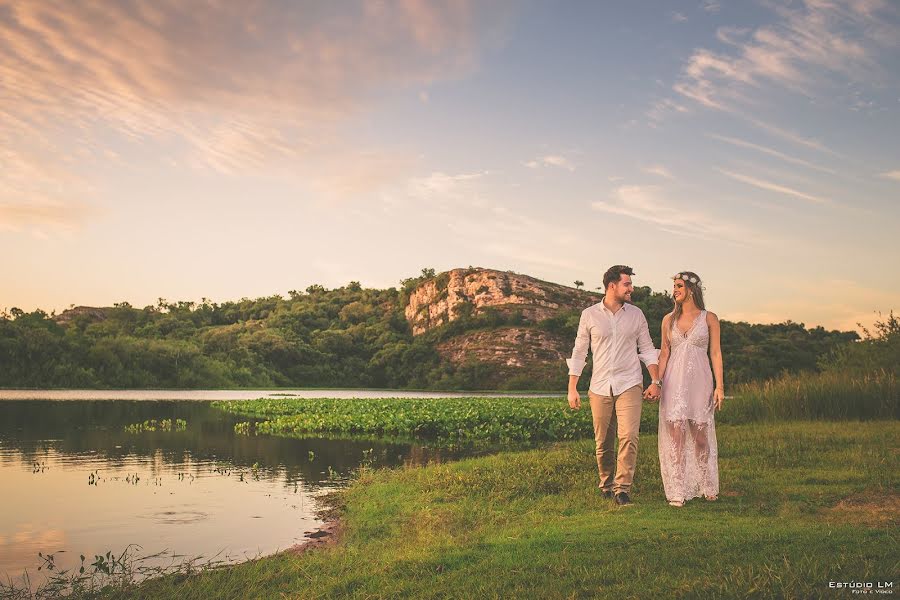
(693, 284)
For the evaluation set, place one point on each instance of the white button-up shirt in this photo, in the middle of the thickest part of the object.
(619, 341)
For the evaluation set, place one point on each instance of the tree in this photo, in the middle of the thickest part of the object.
(579, 284)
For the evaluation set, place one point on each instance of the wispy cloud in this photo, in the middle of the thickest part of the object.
(551, 160)
(678, 17)
(442, 186)
(895, 174)
(659, 171)
(40, 196)
(649, 203)
(805, 45)
(791, 136)
(808, 50)
(773, 187)
(39, 216)
(662, 108)
(770, 151)
(233, 87)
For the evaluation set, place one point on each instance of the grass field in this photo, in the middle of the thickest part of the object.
(802, 504)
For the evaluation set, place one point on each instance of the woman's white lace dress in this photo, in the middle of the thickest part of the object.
(688, 455)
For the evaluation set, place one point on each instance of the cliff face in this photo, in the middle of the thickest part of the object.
(447, 296)
(514, 347)
(509, 351)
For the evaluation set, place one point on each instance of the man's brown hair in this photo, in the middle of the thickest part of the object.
(614, 274)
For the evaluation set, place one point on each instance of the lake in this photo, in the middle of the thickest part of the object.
(75, 481)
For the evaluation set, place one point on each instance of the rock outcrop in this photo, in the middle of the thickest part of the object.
(515, 347)
(91, 313)
(449, 295)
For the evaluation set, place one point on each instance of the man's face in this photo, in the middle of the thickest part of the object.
(621, 290)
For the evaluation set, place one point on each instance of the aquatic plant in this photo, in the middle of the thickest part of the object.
(157, 425)
(108, 573)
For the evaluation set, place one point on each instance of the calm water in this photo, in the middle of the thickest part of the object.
(75, 482)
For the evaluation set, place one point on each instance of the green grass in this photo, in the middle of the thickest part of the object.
(803, 503)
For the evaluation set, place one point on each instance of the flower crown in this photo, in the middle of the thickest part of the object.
(684, 277)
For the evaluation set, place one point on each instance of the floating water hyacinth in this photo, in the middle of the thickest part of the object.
(157, 425)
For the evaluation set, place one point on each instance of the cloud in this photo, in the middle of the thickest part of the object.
(659, 171)
(39, 196)
(774, 187)
(804, 49)
(664, 107)
(648, 203)
(355, 172)
(552, 160)
(711, 6)
(440, 186)
(42, 214)
(678, 17)
(895, 174)
(770, 151)
(232, 87)
(790, 136)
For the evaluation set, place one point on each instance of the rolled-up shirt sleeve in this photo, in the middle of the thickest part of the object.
(648, 354)
(582, 343)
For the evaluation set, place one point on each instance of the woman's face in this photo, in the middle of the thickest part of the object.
(679, 291)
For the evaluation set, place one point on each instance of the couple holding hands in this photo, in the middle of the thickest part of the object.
(618, 336)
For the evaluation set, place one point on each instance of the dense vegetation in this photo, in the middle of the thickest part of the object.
(346, 337)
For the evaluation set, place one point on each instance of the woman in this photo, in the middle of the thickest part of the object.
(688, 456)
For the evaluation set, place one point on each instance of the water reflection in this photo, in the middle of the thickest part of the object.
(75, 482)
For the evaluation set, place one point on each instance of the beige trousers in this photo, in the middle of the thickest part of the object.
(617, 414)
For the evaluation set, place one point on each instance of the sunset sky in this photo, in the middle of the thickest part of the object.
(227, 149)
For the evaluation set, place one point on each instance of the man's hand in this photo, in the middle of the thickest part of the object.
(574, 399)
(652, 392)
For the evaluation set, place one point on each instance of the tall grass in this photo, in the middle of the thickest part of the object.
(831, 395)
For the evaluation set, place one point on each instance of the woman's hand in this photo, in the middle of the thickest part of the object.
(719, 397)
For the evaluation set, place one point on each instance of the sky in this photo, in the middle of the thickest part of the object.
(216, 149)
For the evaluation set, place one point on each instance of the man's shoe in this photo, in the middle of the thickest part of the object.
(622, 499)
(606, 494)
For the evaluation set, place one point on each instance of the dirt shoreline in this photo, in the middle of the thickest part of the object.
(327, 534)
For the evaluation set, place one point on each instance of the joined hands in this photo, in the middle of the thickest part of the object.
(652, 393)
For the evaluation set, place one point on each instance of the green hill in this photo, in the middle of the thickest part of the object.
(469, 328)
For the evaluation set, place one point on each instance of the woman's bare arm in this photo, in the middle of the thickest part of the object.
(664, 343)
(715, 355)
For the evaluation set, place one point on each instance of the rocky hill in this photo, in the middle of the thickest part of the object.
(470, 291)
(506, 352)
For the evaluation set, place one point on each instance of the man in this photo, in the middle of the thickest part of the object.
(619, 338)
